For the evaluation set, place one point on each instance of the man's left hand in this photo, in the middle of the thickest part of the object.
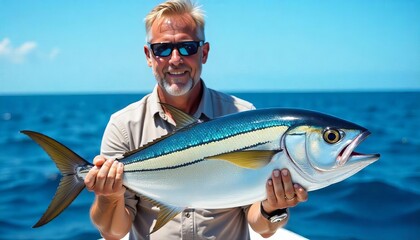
(282, 192)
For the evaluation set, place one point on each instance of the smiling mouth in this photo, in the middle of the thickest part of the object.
(348, 152)
(176, 73)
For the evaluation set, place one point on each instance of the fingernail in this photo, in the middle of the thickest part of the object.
(270, 182)
(276, 173)
(284, 172)
(120, 165)
(298, 187)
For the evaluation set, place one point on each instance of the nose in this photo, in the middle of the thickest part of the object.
(176, 57)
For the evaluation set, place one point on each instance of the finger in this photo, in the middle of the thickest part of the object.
(271, 196)
(301, 193)
(102, 176)
(90, 178)
(109, 183)
(99, 160)
(278, 185)
(289, 190)
(119, 176)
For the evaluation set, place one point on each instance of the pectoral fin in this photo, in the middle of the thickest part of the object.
(252, 159)
(166, 213)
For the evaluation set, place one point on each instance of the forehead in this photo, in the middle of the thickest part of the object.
(178, 26)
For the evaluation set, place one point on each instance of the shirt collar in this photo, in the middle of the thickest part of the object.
(204, 110)
(155, 107)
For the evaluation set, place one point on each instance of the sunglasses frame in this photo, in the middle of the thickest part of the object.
(176, 45)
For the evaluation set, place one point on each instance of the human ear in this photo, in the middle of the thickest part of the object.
(206, 49)
(148, 55)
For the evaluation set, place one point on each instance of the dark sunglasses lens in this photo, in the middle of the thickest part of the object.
(162, 49)
(188, 48)
(184, 48)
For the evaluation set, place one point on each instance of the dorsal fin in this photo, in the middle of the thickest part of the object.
(181, 118)
(145, 145)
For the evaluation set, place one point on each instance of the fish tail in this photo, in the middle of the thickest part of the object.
(70, 183)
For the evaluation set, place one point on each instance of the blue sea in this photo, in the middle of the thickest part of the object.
(380, 202)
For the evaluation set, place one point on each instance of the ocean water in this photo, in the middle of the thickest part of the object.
(380, 202)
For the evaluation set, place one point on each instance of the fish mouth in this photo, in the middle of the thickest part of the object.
(348, 154)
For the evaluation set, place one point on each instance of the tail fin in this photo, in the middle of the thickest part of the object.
(70, 184)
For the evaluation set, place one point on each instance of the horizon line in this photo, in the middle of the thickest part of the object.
(71, 93)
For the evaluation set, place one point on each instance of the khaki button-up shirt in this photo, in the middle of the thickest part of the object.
(145, 121)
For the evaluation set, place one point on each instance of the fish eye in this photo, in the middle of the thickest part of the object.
(332, 136)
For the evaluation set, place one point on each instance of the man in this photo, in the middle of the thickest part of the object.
(176, 51)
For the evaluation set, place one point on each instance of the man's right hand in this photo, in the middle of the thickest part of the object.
(108, 211)
(105, 178)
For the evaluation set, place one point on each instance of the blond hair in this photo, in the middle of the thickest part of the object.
(173, 7)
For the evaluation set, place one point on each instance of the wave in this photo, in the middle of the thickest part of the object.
(361, 210)
(6, 226)
(370, 198)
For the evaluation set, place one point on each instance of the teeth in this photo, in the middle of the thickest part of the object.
(176, 73)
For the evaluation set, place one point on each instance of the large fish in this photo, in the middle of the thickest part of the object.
(224, 162)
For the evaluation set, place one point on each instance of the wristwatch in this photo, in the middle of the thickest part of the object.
(276, 216)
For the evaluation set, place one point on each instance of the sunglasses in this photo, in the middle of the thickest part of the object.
(184, 48)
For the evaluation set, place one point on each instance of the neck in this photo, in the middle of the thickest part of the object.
(188, 103)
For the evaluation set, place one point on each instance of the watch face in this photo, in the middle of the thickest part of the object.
(278, 218)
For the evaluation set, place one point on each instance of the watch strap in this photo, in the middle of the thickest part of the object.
(276, 216)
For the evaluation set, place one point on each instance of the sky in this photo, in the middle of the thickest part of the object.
(96, 46)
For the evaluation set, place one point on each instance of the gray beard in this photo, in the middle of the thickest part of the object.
(175, 91)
